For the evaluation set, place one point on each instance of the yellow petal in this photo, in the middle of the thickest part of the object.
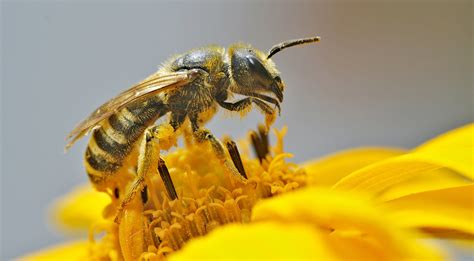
(265, 240)
(432, 180)
(328, 170)
(460, 137)
(380, 176)
(443, 213)
(454, 149)
(351, 225)
(76, 250)
(81, 208)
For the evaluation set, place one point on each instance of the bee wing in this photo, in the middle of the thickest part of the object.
(152, 85)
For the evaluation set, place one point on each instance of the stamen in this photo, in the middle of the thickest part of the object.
(264, 138)
(165, 176)
(154, 237)
(256, 145)
(116, 193)
(144, 194)
(260, 142)
(235, 156)
(206, 199)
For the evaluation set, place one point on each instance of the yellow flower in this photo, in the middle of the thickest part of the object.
(369, 203)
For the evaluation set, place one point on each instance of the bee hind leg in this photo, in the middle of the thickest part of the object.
(155, 138)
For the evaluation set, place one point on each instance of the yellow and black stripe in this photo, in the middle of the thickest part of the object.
(113, 141)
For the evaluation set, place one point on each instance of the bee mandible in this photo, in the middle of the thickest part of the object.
(188, 87)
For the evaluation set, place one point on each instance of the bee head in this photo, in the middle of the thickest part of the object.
(254, 72)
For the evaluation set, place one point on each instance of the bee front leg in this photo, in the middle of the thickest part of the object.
(267, 99)
(244, 104)
(241, 105)
(155, 138)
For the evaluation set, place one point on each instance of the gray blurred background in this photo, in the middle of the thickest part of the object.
(385, 73)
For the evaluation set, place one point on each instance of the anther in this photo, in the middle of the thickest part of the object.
(256, 145)
(165, 176)
(144, 194)
(260, 142)
(235, 156)
(116, 193)
(264, 138)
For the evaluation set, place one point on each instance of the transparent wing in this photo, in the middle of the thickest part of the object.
(152, 85)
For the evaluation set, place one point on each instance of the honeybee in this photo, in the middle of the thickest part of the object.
(188, 87)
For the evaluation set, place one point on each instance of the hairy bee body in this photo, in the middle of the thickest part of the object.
(112, 143)
(188, 87)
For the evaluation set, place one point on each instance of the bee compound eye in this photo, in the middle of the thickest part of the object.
(259, 72)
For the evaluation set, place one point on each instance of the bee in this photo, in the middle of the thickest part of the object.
(189, 88)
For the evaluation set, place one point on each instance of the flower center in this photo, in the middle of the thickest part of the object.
(192, 194)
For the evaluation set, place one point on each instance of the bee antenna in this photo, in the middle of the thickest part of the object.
(276, 48)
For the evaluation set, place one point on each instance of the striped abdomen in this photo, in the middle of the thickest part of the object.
(113, 141)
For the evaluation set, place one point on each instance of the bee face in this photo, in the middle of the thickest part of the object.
(253, 72)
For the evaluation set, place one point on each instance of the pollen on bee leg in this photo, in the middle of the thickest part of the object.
(166, 135)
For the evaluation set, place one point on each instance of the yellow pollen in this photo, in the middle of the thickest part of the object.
(207, 198)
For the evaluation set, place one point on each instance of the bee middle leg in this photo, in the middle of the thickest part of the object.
(204, 135)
